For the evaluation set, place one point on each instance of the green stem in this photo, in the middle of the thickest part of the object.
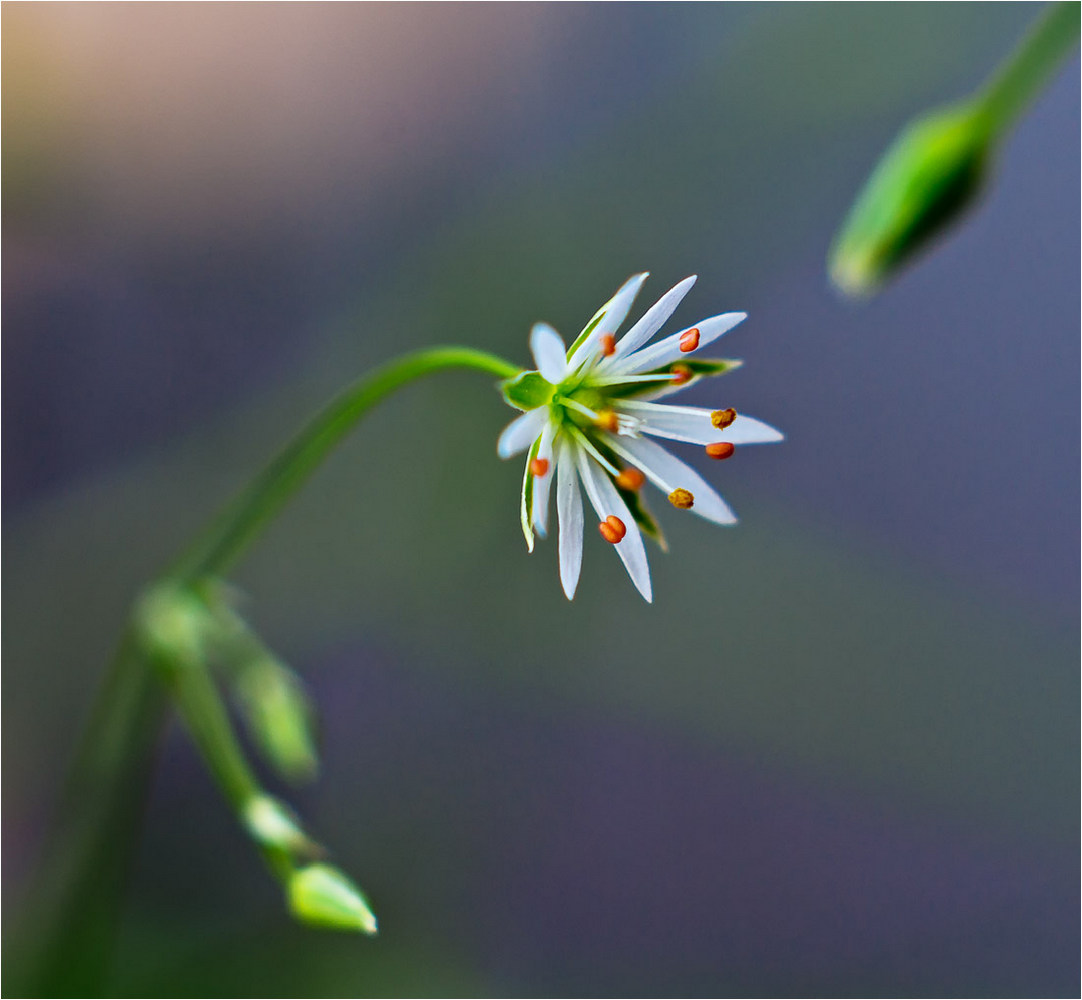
(1026, 70)
(75, 900)
(229, 534)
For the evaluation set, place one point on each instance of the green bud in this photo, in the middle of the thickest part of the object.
(279, 716)
(322, 896)
(527, 391)
(930, 175)
(274, 825)
(173, 626)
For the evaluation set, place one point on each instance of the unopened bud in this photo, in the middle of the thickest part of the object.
(273, 825)
(321, 895)
(279, 716)
(929, 176)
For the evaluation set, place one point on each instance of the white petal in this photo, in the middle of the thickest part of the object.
(614, 312)
(651, 322)
(549, 353)
(748, 430)
(666, 351)
(693, 424)
(543, 484)
(521, 432)
(657, 463)
(569, 509)
(606, 500)
(680, 423)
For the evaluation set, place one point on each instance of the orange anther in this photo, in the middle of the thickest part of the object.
(539, 466)
(722, 418)
(720, 449)
(607, 419)
(689, 340)
(684, 499)
(681, 374)
(608, 344)
(612, 529)
(630, 479)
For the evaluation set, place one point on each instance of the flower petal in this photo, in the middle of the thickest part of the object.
(521, 432)
(609, 318)
(606, 500)
(748, 430)
(693, 424)
(651, 322)
(569, 509)
(667, 471)
(549, 353)
(666, 351)
(679, 423)
(543, 484)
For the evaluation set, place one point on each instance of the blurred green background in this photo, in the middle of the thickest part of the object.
(837, 755)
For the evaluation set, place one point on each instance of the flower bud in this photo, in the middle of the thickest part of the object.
(278, 715)
(273, 825)
(173, 626)
(930, 175)
(322, 896)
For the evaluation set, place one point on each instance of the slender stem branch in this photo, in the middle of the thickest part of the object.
(75, 900)
(1026, 70)
(228, 535)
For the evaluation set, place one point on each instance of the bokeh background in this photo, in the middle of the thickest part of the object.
(837, 756)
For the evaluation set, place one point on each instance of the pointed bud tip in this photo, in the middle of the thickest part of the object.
(322, 896)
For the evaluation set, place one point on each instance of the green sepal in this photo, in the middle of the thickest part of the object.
(699, 368)
(589, 328)
(643, 518)
(527, 391)
(527, 496)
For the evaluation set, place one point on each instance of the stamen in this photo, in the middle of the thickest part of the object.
(539, 466)
(601, 459)
(630, 479)
(684, 499)
(608, 420)
(689, 340)
(608, 345)
(722, 418)
(612, 529)
(720, 449)
(574, 404)
(681, 374)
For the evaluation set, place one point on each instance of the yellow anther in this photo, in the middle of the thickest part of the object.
(684, 499)
(608, 420)
(722, 418)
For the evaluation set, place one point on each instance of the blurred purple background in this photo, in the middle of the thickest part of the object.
(838, 755)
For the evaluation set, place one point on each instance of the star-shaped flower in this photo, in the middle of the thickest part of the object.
(591, 416)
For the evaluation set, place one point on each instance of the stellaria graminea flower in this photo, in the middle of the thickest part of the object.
(590, 417)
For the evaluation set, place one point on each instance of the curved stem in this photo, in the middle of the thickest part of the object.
(1026, 70)
(228, 535)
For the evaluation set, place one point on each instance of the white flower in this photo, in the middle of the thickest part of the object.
(590, 417)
